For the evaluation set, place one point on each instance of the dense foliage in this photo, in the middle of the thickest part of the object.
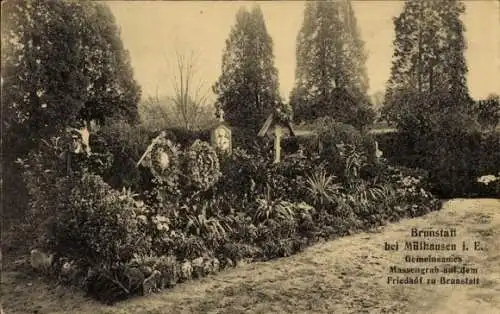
(453, 164)
(102, 221)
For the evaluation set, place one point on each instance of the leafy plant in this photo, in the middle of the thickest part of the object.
(321, 187)
(185, 247)
(199, 224)
(242, 227)
(353, 161)
(272, 229)
(268, 208)
(363, 194)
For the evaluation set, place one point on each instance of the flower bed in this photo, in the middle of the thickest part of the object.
(115, 244)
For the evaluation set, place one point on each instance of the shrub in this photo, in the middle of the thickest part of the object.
(334, 137)
(48, 178)
(43, 175)
(341, 132)
(267, 208)
(210, 228)
(453, 161)
(14, 194)
(233, 252)
(271, 231)
(249, 175)
(184, 246)
(289, 178)
(333, 225)
(243, 228)
(243, 174)
(409, 195)
(246, 207)
(100, 226)
(126, 143)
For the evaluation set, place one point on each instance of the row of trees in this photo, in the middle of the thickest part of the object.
(64, 61)
(331, 75)
(427, 88)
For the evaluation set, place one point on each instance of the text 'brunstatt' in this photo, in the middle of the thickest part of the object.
(443, 233)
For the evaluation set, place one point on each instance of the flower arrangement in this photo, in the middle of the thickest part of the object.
(487, 179)
(164, 160)
(202, 168)
(490, 183)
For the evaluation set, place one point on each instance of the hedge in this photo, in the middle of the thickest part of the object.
(453, 162)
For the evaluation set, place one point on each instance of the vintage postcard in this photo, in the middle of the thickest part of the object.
(337, 156)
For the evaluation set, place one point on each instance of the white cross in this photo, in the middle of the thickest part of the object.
(221, 115)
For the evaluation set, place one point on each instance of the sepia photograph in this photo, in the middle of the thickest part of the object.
(334, 156)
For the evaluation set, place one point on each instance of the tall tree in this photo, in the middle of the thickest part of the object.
(248, 89)
(355, 54)
(428, 64)
(62, 61)
(330, 77)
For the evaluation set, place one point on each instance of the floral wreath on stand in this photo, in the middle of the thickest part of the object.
(162, 158)
(202, 166)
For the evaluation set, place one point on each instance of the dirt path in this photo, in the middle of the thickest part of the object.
(348, 275)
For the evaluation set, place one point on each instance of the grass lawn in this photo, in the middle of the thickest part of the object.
(347, 275)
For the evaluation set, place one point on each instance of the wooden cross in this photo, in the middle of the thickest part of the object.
(277, 144)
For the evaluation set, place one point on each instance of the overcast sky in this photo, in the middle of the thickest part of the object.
(152, 31)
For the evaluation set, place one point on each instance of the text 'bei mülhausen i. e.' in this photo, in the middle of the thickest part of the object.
(420, 241)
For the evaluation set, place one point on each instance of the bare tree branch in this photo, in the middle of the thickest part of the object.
(187, 100)
(188, 106)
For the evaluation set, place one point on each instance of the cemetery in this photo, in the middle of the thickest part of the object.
(205, 207)
(113, 199)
